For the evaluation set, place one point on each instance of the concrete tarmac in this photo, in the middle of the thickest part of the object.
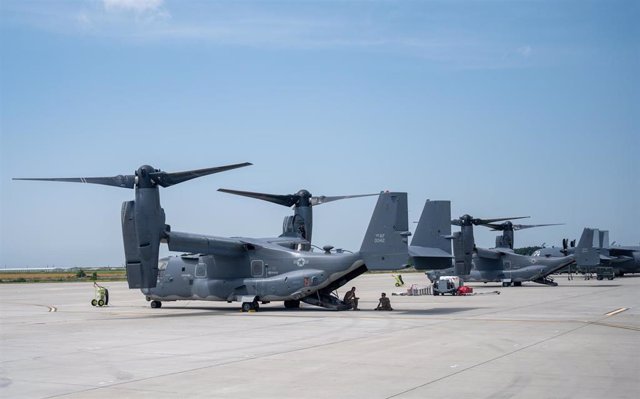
(578, 340)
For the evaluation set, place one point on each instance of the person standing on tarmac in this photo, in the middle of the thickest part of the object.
(351, 299)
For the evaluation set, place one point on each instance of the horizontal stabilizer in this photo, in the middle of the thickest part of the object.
(425, 258)
(426, 252)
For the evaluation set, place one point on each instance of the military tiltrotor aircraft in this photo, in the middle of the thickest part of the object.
(300, 224)
(246, 270)
(495, 264)
(593, 250)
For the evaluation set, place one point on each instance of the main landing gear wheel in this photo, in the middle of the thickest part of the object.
(292, 304)
(248, 306)
(156, 304)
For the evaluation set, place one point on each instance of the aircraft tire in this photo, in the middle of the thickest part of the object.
(156, 304)
(246, 306)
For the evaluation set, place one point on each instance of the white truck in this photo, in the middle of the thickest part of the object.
(447, 285)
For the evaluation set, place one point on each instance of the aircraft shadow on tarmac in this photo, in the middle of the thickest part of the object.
(433, 311)
(586, 285)
(168, 311)
(592, 286)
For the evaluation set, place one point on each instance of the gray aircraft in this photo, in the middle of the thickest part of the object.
(246, 270)
(491, 265)
(594, 250)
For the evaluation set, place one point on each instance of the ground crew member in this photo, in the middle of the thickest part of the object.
(351, 299)
(384, 303)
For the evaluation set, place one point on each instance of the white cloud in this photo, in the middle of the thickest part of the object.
(143, 12)
(138, 6)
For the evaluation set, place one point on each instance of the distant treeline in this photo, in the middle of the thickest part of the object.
(76, 274)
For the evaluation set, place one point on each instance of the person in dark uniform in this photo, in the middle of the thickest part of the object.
(351, 299)
(384, 303)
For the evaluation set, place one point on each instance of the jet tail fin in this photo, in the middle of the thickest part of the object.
(431, 244)
(385, 244)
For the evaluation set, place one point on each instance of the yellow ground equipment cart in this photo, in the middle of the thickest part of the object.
(102, 296)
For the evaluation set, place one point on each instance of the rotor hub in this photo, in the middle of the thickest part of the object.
(143, 176)
(304, 198)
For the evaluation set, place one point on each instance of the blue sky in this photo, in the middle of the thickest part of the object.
(505, 108)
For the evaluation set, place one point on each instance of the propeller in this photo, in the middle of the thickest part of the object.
(467, 220)
(301, 198)
(145, 176)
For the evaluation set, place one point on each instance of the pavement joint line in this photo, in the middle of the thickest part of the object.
(534, 304)
(615, 312)
(489, 361)
(586, 324)
(256, 357)
(632, 328)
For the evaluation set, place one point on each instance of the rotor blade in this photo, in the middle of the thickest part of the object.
(165, 179)
(486, 221)
(126, 181)
(319, 200)
(285, 200)
(456, 222)
(528, 226)
(495, 226)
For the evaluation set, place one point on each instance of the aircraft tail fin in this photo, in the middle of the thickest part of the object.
(385, 243)
(431, 244)
(588, 250)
